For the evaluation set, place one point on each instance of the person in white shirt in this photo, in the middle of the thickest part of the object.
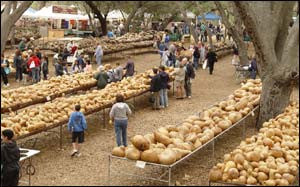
(98, 54)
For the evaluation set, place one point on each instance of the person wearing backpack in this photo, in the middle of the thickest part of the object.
(155, 87)
(10, 156)
(189, 75)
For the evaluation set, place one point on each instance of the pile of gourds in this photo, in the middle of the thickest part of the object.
(88, 45)
(269, 158)
(58, 111)
(53, 86)
(171, 143)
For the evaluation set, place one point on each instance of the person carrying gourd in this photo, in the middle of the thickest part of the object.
(179, 80)
(101, 77)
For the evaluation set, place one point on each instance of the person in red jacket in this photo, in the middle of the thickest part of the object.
(34, 65)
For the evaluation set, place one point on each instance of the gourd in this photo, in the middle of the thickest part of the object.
(132, 153)
(149, 156)
(118, 151)
(140, 142)
(167, 157)
(215, 174)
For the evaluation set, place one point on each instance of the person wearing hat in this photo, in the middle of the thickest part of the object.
(101, 77)
(22, 45)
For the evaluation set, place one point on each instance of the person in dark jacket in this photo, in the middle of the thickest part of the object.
(77, 125)
(163, 93)
(101, 77)
(59, 69)
(129, 69)
(10, 156)
(18, 65)
(211, 57)
(65, 55)
(253, 68)
(189, 75)
(155, 88)
(196, 56)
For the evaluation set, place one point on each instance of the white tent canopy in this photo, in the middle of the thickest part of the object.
(116, 14)
(46, 12)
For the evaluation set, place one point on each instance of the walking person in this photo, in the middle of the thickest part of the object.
(18, 65)
(155, 87)
(163, 93)
(211, 57)
(98, 54)
(77, 125)
(196, 55)
(4, 65)
(119, 114)
(10, 156)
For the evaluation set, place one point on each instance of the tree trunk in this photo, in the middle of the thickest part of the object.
(129, 19)
(192, 29)
(278, 53)
(274, 98)
(103, 26)
(167, 21)
(236, 33)
(9, 19)
(101, 19)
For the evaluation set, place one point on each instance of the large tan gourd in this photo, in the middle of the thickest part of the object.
(140, 142)
(167, 157)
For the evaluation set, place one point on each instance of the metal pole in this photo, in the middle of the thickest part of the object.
(134, 104)
(109, 165)
(104, 118)
(60, 141)
(213, 151)
(170, 171)
(173, 88)
(29, 175)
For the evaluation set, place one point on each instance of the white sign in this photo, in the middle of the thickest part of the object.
(140, 164)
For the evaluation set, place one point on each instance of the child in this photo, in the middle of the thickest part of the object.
(45, 69)
(88, 67)
(77, 125)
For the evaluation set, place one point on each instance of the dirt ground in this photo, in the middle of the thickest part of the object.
(55, 167)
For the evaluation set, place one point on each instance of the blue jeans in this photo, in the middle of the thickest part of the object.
(121, 130)
(163, 93)
(35, 74)
(98, 60)
(196, 63)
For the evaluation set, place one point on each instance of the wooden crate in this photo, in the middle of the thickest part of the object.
(57, 33)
